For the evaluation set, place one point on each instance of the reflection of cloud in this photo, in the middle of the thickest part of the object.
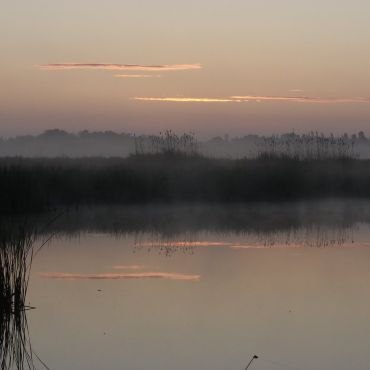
(184, 244)
(137, 76)
(301, 99)
(194, 244)
(189, 100)
(129, 276)
(118, 67)
(231, 245)
(128, 267)
(266, 246)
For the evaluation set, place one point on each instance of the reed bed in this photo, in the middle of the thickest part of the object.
(28, 185)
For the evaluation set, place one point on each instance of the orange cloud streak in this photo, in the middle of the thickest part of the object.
(118, 67)
(188, 100)
(301, 99)
(259, 99)
(143, 275)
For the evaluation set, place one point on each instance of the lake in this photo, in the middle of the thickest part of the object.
(204, 287)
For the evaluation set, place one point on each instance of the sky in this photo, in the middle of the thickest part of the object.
(210, 67)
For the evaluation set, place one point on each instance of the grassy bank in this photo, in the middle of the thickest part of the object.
(39, 184)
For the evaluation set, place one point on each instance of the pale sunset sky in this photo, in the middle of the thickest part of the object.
(211, 67)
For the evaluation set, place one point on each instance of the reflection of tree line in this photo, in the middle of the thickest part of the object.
(17, 241)
(175, 229)
(172, 220)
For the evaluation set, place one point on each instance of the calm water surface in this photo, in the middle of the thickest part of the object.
(297, 295)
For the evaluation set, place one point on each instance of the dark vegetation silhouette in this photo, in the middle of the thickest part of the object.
(45, 184)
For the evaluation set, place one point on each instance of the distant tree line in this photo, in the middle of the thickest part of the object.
(60, 143)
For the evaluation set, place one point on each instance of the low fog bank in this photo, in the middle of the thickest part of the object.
(59, 143)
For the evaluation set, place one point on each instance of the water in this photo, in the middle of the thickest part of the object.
(182, 291)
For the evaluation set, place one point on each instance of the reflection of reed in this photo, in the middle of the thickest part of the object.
(316, 236)
(16, 254)
(15, 345)
(167, 247)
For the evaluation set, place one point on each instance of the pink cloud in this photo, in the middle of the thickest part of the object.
(118, 67)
